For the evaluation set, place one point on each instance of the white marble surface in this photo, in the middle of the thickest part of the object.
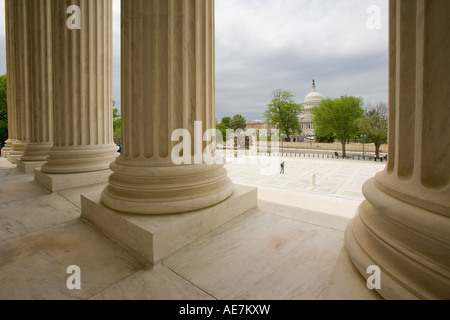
(271, 252)
(60, 182)
(347, 282)
(34, 267)
(336, 179)
(157, 284)
(261, 256)
(15, 185)
(305, 215)
(154, 237)
(74, 195)
(25, 216)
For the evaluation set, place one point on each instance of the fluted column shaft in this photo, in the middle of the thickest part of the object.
(404, 224)
(167, 84)
(41, 75)
(22, 78)
(11, 49)
(82, 99)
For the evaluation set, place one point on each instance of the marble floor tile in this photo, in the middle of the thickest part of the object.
(304, 215)
(21, 217)
(157, 284)
(19, 188)
(74, 195)
(263, 256)
(35, 267)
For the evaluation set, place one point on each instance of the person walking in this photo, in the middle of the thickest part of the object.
(282, 168)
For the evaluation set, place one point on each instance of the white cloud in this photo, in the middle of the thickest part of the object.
(263, 45)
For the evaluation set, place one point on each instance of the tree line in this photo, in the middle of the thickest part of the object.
(341, 119)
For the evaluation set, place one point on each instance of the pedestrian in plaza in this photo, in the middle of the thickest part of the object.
(336, 154)
(282, 168)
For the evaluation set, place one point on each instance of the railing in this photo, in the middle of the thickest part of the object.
(322, 156)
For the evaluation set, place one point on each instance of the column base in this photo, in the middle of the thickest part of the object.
(13, 158)
(7, 148)
(58, 182)
(346, 282)
(29, 166)
(409, 244)
(37, 152)
(5, 151)
(152, 238)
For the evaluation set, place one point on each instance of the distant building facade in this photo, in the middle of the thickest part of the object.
(259, 125)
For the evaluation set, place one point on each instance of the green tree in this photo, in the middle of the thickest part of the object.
(283, 113)
(223, 129)
(117, 122)
(325, 137)
(3, 111)
(226, 122)
(339, 116)
(238, 122)
(374, 124)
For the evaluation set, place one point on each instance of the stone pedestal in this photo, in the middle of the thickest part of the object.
(403, 226)
(59, 182)
(29, 166)
(152, 238)
(82, 99)
(13, 158)
(6, 150)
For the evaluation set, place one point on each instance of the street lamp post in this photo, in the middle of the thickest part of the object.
(363, 142)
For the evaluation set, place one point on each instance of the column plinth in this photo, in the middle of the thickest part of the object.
(403, 225)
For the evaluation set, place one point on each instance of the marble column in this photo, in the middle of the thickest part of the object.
(41, 100)
(21, 80)
(82, 99)
(10, 80)
(403, 226)
(167, 84)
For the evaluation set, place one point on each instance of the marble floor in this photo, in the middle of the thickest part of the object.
(288, 248)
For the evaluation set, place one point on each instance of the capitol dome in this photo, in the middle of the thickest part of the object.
(313, 97)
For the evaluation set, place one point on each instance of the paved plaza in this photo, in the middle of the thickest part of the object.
(338, 182)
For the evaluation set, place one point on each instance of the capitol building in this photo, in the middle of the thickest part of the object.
(313, 99)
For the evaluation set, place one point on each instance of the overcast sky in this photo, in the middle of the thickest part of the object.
(264, 45)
